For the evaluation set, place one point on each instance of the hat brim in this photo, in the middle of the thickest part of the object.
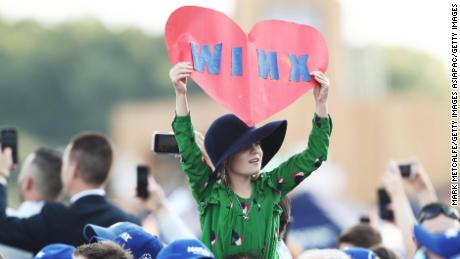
(93, 233)
(271, 136)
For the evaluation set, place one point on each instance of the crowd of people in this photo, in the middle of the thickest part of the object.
(244, 212)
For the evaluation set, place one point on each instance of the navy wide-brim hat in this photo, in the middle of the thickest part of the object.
(228, 135)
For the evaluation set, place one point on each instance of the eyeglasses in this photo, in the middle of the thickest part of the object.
(433, 210)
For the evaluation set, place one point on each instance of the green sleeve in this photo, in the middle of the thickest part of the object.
(192, 161)
(293, 171)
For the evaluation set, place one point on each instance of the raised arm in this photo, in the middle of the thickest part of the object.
(290, 173)
(404, 218)
(192, 161)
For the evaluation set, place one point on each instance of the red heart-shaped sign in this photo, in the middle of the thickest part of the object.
(255, 75)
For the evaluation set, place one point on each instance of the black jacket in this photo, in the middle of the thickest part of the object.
(57, 223)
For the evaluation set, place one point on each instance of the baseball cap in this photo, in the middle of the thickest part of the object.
(186, 249)
(142, 244)
(445, 244)
(55, 251)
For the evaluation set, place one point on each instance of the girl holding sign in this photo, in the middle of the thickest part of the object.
(238, 205)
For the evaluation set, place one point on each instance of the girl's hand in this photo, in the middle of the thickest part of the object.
(178, 75)
(321, 93)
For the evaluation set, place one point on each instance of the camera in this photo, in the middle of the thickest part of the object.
(164, 143)
(9, 138)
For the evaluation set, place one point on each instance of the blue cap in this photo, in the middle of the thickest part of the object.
(185, 249)
(359, 253)
(93, 233)
(129, 236)
(55, 251)
(445, 244)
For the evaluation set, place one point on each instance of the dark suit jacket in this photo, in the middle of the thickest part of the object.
(57, 223)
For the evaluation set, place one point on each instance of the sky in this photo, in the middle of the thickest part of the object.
(419, 24)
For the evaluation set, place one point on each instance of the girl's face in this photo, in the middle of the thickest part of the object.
(247, 161)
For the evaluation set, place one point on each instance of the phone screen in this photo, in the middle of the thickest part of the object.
(9, 138)
(165, 143)
(142, 181)
(405, 170)
(384, 201)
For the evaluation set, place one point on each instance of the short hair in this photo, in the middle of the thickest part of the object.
(285, 217)
(47, 176)
(243, 256)
(384, 252)
(93, 155)
(102, 250)
(362, 235)
(323, 254)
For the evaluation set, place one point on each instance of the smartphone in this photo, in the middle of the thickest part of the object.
(406, 171)
(142, 181)
(384, 201)
(164, 143)
(9, 138)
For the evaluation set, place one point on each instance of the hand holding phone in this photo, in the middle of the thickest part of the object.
(9, 138)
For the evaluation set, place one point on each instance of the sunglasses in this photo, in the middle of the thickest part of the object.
(434, 210)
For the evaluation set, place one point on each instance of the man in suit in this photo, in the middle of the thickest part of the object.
(85, 169)
(38, 181)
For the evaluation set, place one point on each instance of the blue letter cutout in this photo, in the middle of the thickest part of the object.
(206, 59)
(299, 67)
(237, 62)
(267, 63)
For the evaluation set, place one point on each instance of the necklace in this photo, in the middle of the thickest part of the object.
(245, 207)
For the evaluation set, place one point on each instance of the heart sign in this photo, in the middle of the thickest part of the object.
(254, 75)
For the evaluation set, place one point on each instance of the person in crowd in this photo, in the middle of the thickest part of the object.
(323, 254)
(39, 180)
(102, 250)
(128, 235)
(86, 164)
(384, 253)
(55, 251)
(434, 216)
(444, 244)
(361, 235)
(158, 205)
(239, 206)
(186, 249)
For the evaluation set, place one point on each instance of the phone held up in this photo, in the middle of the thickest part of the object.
(142, 188)
(164, 143)
(9, 139)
